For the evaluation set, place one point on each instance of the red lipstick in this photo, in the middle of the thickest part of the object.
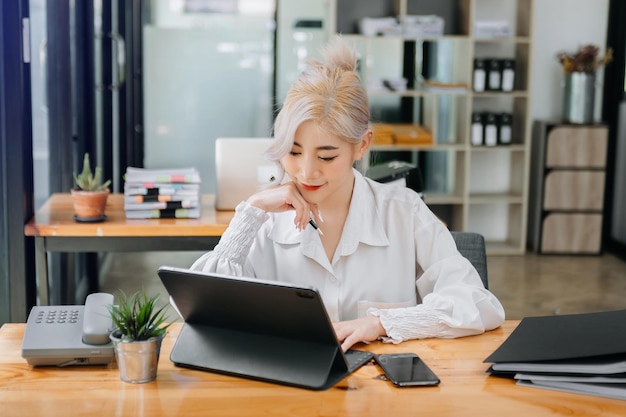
(311, 187)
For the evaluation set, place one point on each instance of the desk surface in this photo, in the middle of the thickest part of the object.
(54, 218)
(465, 389)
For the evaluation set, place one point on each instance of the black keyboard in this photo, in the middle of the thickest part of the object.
(357, 358)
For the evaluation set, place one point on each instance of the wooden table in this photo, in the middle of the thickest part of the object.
(465, 389)
(55, 230)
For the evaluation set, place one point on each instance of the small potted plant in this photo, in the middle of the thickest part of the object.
(90, 194)
(139, 329)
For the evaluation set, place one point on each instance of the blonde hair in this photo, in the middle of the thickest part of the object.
(329, 93)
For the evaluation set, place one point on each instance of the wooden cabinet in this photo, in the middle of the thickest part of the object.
(567, 188)
(482, 189)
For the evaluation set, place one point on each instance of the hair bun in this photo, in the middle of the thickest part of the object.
(338, 54)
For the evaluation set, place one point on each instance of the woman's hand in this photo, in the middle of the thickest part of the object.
(365, 329)
(283, 198)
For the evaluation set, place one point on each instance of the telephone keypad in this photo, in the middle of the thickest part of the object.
(58, 316)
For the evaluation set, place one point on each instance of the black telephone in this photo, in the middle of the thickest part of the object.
(70, 334)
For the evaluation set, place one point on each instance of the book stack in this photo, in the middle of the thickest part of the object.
(383, 133)
(580, 353)
(410, 134)
(401, 134)
(161, 193)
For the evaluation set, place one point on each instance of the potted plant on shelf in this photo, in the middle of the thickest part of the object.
(139, 329)
(90, 194)
(580, 70)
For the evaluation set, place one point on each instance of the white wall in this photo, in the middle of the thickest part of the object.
(562, 25)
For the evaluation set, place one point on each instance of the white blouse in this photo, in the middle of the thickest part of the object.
(395, 260)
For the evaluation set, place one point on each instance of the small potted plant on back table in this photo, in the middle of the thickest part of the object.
(90, 195)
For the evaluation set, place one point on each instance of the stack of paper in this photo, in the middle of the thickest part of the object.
(581, 353)
(423, 26)
(161, 193)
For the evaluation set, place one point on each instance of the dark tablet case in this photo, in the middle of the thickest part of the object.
(252, 328)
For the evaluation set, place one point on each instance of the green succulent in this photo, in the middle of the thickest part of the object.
(136, 317)
(88, 181)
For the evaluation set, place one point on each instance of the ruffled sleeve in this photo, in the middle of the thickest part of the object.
(230, 254)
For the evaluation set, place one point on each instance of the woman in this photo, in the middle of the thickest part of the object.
(385, 266)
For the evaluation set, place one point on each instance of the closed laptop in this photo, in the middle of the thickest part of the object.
(241, 169)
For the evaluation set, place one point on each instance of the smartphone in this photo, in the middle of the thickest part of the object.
(406, 370)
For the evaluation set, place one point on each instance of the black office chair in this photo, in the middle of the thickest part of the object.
(472, 246)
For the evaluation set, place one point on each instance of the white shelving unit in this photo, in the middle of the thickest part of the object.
(473, 188)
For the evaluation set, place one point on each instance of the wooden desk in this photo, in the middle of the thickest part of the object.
(55, 230)
(465, 389)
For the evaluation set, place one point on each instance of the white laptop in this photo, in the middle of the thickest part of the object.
(241, 169)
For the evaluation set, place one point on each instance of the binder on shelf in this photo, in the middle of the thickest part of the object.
(581, 353)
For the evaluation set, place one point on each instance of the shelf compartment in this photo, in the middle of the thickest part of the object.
(500, 223)
(454, 12)
(576, 147)
(443, 172)
(574, 190)
(444, 116)
(447, 114)
(508, 49)
(508, 163)
(516, 105)
(517, 12)
(579, 233)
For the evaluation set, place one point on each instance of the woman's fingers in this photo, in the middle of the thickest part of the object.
(282, 198)
(364, 329)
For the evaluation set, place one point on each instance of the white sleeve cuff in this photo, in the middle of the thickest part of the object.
(404, 324)
(235, 243)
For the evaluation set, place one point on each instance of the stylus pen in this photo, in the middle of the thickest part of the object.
(316, 227)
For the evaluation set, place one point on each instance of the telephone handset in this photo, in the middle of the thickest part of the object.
(71, 334)
(97, 323)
